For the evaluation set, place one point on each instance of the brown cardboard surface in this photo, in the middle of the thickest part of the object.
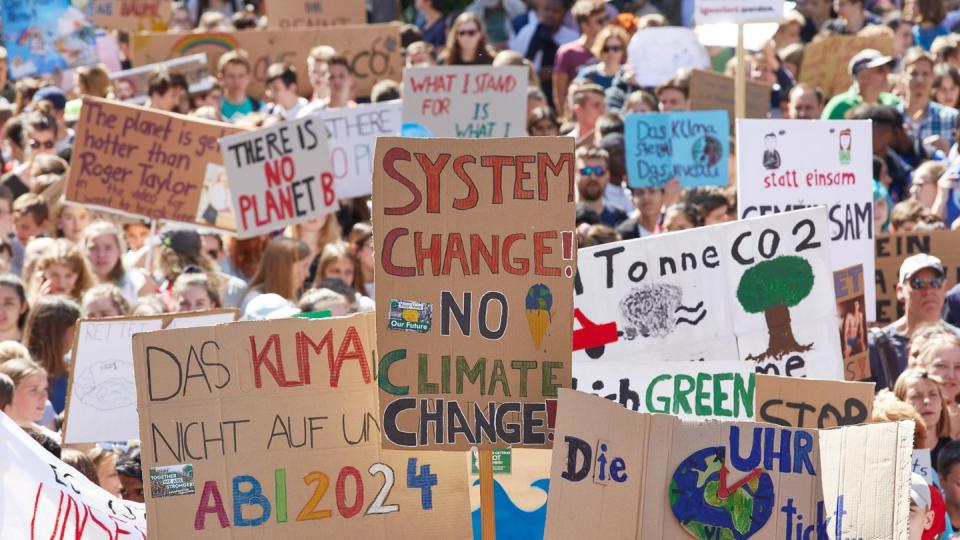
(132, 15)
(278, 420)
(373, 50)
(144, 162)
(825, 61)
(892, 249)
(812, 403)
(711, 91)
(454, 332)
(848, 285)
(665, 467)
(289, 14)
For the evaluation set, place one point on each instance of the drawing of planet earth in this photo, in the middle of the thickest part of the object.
(693, 499)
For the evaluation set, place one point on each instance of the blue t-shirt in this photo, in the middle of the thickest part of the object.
(232, 111)
(58, 393)
(924, 36)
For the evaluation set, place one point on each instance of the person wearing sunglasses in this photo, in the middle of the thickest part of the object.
(591, 16)
(611, 48)
(39, 136)
(922, 288)
(592, 174)
(467, 43)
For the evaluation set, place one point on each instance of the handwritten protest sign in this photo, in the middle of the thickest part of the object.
(46, 498)
(46, 36)
(102, 394)
(892, 249)
(765, 282)
(657, 53)
(143, 162)
(131, 84)
(372, 50)
(455, 240)
(620, 474)
(279, 175)
(826, 60)
(352, 136)
(287, 14)
(737, 11)
(473, 102)
(811, 403)
(783, 165)
(848, 284)
(131, 15)
(713, 91)
(271, 429)
(690, 146)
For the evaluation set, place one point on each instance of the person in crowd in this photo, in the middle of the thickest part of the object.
(163, 92)
(646, 219)
(7, 387)
(931, 124)
(48, 335)
(135, 234)
(421, 54)
(541, 122)
(804, 102)
(131, 475)
(361, 244)
(591, 175)
(921, 516)
(869, 69)
(105, 463)
(13, 307)
(922, 289)
(79, 461)
(53, 101)
(680, 217)
(283, 92)
(937, 349)
(591, 18)
(946, 85)
(321, 299)
(39, 136)
(930, 15)
(385, 90)
(674, 93)
(885, 122)
(610, 47)
(104, 246)
(540, 39)
(815, 13)
(92, 81)
(62, 269)
(431, 21)
(949, 476)
(195, 292)
(923, 188)
(316, 233)
(341, 83)
(242, 256)
(609, 132)
(318, 73)
(588, 106)
(234, 71)
(924, 391)
(28, 403)
(181, 252)
(283, 269)
(712, 203)
(71, 221)
(851, 17)
(467, 43)
(104, 300)
(906, 215)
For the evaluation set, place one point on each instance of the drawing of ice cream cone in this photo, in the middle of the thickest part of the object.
(539, 304)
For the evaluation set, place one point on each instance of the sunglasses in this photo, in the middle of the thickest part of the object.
(917, 283)
(469, 33)
(612, 48)
(592, 171)
(45, 144)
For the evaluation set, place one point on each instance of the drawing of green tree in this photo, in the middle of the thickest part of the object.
(773, 287)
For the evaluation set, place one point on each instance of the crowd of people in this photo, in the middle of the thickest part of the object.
(62, 262)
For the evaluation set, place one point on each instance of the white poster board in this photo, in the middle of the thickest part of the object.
(657, 53)
(102, 395)
(352, 136)
(467, 102)
(44, 497)
(765, 283)
(279, 175)
(785, 165)
(131, 84)
(737, 11)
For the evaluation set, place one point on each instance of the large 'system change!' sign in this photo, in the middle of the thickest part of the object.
(475, 260)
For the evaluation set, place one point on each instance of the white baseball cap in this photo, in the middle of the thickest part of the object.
(915, 263)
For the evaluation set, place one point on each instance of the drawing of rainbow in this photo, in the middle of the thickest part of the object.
(189, 42)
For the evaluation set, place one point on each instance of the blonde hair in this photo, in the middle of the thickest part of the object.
(94, 81)
(66, 253)
(886, 408)
(912, 374)
(10, 349)
(611, 31)
(103, 228)
(20, 368)
(196, 280)
(275, 272)
(110, 292)
(333, 252)
(922, 338)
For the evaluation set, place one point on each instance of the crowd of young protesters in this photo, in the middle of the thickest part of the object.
(62, 262)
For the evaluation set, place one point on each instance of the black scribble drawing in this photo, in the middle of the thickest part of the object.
(105, 387)
(652, 311)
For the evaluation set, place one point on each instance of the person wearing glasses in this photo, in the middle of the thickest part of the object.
(592, 173)
(39, 137)
(922, 288)
(611, 48)
(591, 16)
(467, 43)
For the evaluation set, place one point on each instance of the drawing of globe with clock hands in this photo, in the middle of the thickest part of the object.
(708, 504)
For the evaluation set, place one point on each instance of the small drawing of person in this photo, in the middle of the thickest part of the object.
(771, 158)
(846, 139)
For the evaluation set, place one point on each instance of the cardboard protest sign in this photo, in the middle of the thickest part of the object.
(825, 60)
(39, 489)
(711, 91)
(131, 84)
(373, 50)
(620, 474)
(279, 175)
(765, 282)
(46, 36)
(352, 137)
(784, 165)
(848, 284)
(690, 146)
(270, 429)
(737, 11)
(657, 53)
(102, 394)
(146, 163)
(455, 239)
(131, 15)
(811, 403)
(892, 249)
(288, 14)
(472, 102)
(521, 478)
